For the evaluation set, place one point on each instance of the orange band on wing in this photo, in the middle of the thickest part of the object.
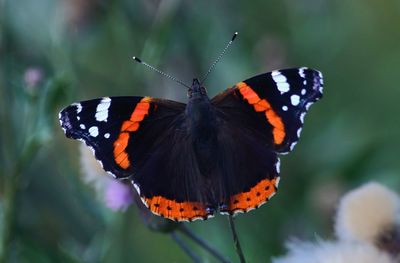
(262, 105)
(177, 211)
(254, 198)
(141, 110)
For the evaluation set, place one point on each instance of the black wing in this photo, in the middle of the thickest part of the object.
(146, 140)
(258, 118)
(248, 169)
(274, 104)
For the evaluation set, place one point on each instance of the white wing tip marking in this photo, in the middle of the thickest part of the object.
(94, 131)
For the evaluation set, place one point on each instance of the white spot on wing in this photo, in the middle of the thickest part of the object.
(284, 108)
(102, 109)
(250, 209)
(145, 203)
(107, 135)
(278, 166)
(275, 72)
(93, 151)
(93, 131)
(299, 132)
(303, 91)
(137, 188)
(320, 75)
(236, 212)
(279, 78)
(301, 72)
(210, 216)
(101, 164)
(101, 115)
(302, 117)
(281, 81)
(104, 104)
(82, 126)
(295, 100)
(308, 105)
(277, 181)
(110, 173)
(78, 107)
(61, 122)
(283, 87)
(292, 146)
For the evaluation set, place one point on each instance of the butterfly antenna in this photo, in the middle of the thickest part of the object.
(219, 58)
(160, 72)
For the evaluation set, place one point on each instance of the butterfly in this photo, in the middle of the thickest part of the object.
(189, 161)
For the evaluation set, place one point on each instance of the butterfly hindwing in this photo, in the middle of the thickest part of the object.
(248, 169)
(170, 181)
(275, 104)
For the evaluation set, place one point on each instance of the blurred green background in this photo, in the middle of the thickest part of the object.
(53, 53)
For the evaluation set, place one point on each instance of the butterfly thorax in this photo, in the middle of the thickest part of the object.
(202, 126)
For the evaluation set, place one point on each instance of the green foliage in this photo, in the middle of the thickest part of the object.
(83, 49)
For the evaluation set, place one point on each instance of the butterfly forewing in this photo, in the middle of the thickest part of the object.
(110, 125)
(275, 104)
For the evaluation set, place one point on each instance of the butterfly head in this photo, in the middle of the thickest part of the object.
(196, 91)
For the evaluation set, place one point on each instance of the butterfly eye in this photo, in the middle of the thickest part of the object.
(203, 90)
(189, 93)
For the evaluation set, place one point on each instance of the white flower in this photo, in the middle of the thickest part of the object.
(333, 252)
(367, 212)
(366, 217)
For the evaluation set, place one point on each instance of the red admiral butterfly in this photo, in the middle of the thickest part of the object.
(188, 160)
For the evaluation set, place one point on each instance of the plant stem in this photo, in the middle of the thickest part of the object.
(203, 244)
(185, 247)
(11, 187)
(236, 240)
(12, 184)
